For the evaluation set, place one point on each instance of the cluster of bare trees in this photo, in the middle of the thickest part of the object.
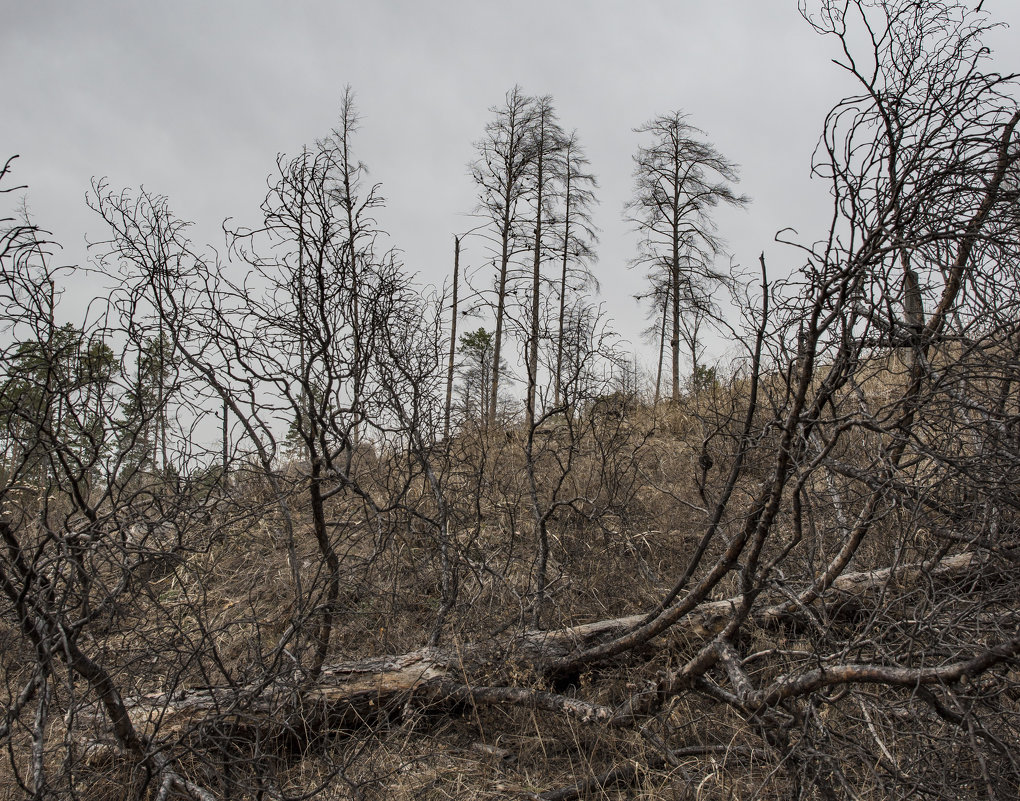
(536, 195)
(535, 198)
(800, 585)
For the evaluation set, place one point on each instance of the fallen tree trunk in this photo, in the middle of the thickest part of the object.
(710, 617)
(350, 694)
(850, 589)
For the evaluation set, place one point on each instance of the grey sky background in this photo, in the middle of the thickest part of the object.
(194, 100)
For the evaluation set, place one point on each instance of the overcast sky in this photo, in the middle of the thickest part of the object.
(194, 100)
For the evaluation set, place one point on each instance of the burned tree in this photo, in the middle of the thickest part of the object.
(678, 180)
(502, 174)
(576, 245)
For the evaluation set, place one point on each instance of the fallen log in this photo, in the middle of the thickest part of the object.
(348, 695)
(853, 587)
(710, 617)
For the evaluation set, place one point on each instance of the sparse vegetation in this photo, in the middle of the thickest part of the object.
(795, 579)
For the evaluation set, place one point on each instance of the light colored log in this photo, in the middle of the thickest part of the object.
(348, 694)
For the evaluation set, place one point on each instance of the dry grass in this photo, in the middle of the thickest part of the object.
(641, 490)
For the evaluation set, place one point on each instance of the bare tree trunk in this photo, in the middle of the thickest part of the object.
(329, 555)
(161, 412)
(662, 345)
(497, 343)
(692, 331)
(226, 442)
(542, 540)
(563, 291)
(348, 125)
(541, 533)
(453, 339)
(674, 342)
(533, 335)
